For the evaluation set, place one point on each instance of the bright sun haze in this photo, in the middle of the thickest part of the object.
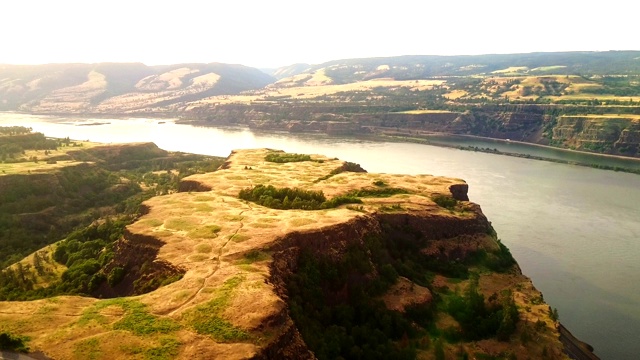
(279, 33)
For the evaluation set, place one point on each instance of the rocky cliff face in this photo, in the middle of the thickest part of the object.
(241, 262)
(607, 134)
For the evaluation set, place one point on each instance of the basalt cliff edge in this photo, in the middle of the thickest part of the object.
(247, 268)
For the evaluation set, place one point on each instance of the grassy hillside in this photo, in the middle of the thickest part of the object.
(83, 87)
(56, 189)
(407, 268)
(523, 97)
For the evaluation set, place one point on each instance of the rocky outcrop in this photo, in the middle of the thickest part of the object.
(236, 261)
(459, 191)
(405, 293)
(428, 121)
(612, 135)
(137, 258)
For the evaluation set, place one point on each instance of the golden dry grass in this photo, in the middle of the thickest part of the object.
(73, 98)
(303, 88)
(33, 167)
(26, 165)
(211, 246)
(455, 94)
(513, 69)
(52, 270)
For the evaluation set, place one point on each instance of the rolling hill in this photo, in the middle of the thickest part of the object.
(119, 87)
(524, 97)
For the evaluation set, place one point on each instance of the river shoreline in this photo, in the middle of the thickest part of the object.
(543, 213)
(425, 141)
(381, 134)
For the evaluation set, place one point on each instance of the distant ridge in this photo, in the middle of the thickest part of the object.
(135, 88)
(97, 87)
(411, 67)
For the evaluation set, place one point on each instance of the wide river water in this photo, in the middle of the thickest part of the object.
(575, 231)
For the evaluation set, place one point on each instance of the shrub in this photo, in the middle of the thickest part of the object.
(13, 343)
(287, 198)
(286, 158)
(447, 202)
(116, 275)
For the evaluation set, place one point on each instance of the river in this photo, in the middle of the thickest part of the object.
(575, 231)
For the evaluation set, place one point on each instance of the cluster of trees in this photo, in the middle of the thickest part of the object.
(480, 319)
(13, 343)
(382, 191)
(335, 305)
(287, 198)
(277, 157)
(85, 252)
(14, 130)
(37, 210)
(15, 140)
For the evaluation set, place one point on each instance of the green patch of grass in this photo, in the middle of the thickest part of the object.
(247, 268)
(204, 198)
(377, 192)
(202, 208)
(181, 295)
(262, 226)
(92, 314)
(203, 248)
(180, 224)
(207, 318)
(358, 208)
(152, 222)
(340, 200)
(254, 256)
(239, 238)
(198, 257)
(87, 349)
(447, 202)
(390, 208)
(233, 217)
(219, 329)
(46, 309)
(138, 321)
(205, 232)
(301, 222)
(169, 349)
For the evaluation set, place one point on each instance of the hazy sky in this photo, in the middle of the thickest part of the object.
(266, 33)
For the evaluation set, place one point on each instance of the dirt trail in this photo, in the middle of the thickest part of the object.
(214, 270)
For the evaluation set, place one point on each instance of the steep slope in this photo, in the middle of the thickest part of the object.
(242, 260)
(119, 88)
(287, 71)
